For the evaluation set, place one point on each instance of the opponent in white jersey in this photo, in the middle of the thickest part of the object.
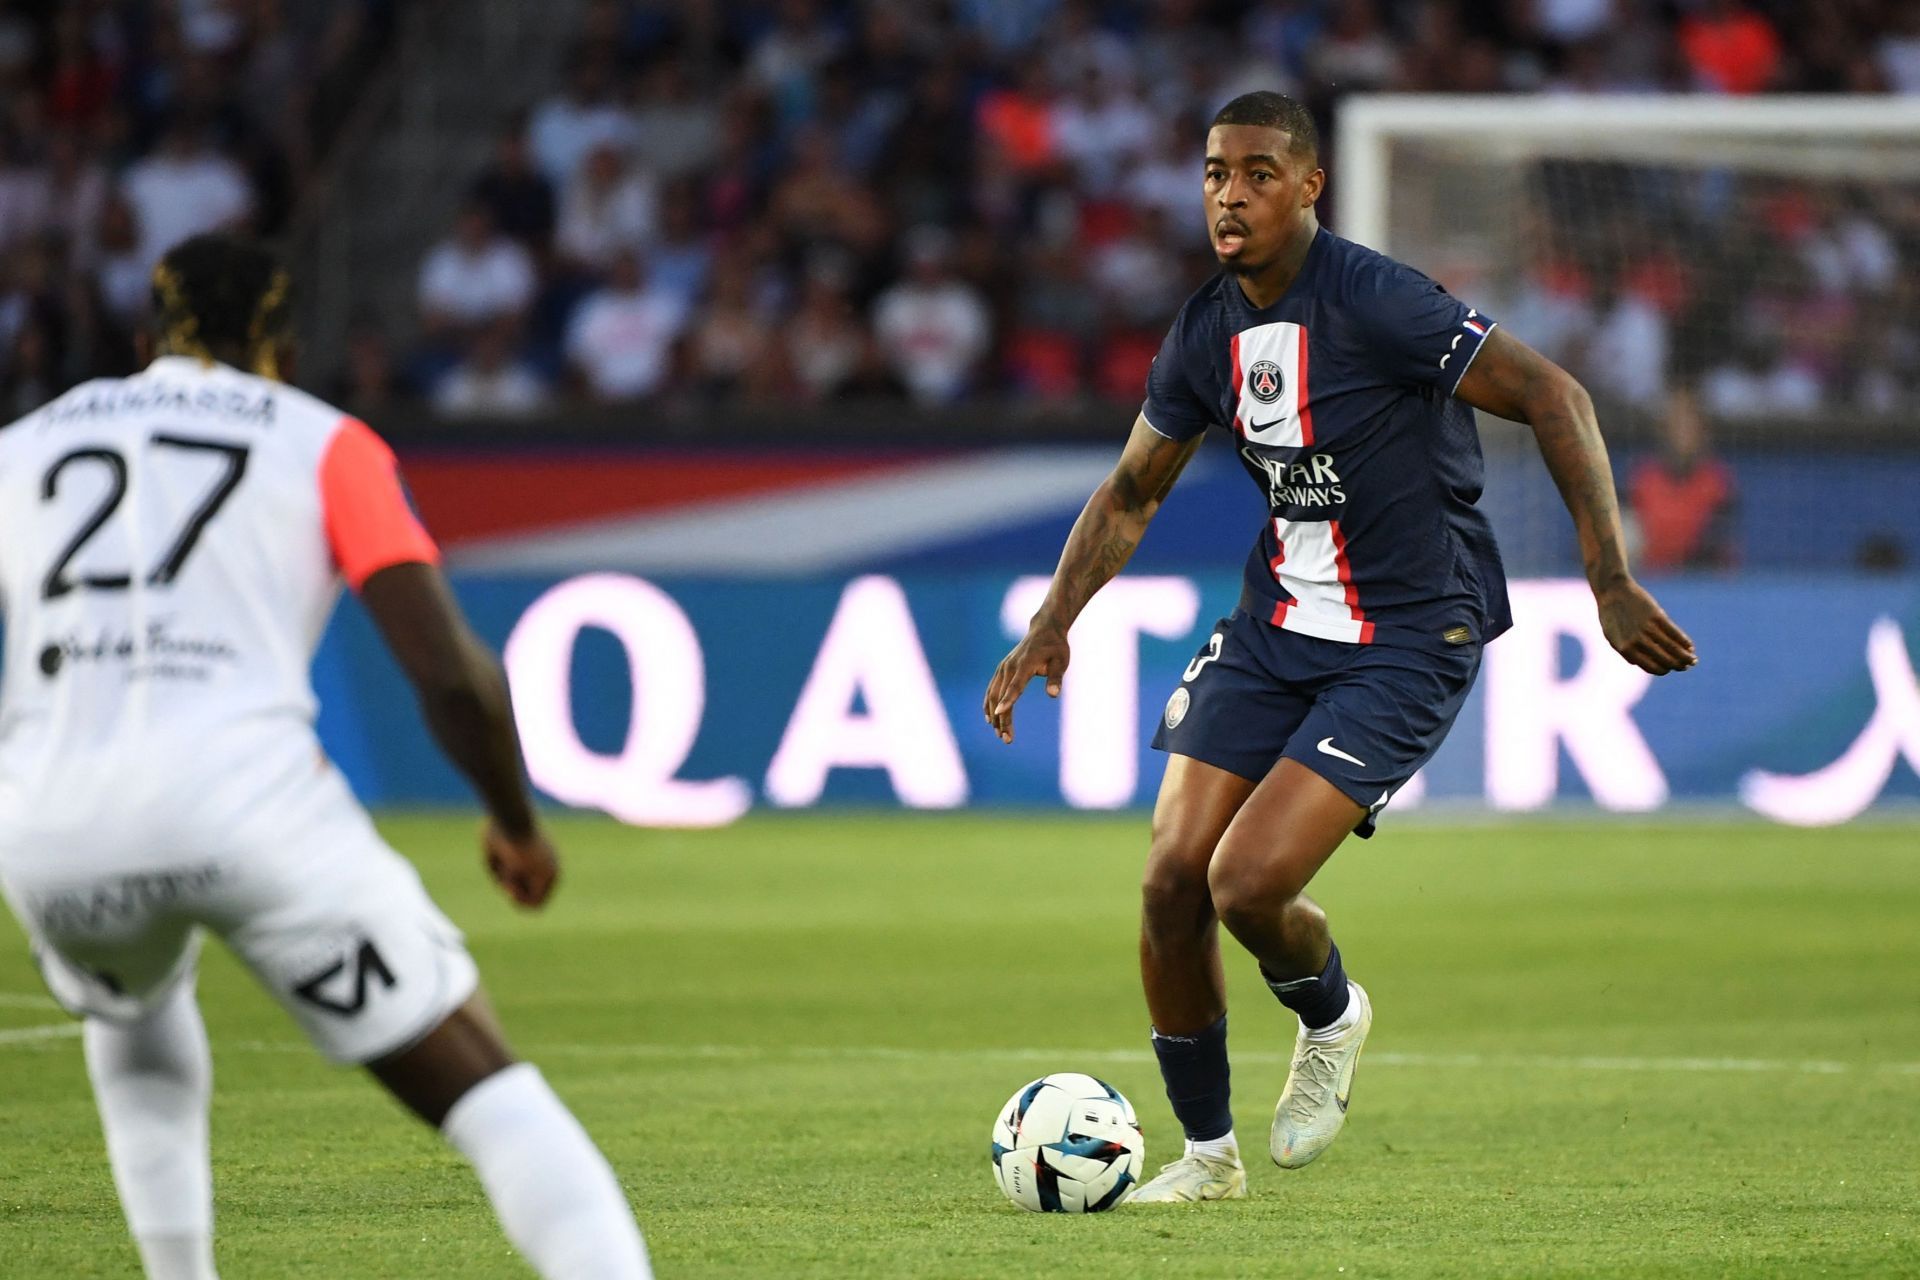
(171, 545)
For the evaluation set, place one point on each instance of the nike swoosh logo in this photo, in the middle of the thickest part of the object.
(1327, 748)
(1262, 426)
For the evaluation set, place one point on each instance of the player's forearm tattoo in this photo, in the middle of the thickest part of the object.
(1111, 525)
(1570, 442)
(1517, 383)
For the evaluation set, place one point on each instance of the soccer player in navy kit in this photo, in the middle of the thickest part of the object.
(1345, 380)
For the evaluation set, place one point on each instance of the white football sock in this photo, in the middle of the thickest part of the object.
(1338, 1027)
(1224, 1147)
(153, 1084)
(555, 1194)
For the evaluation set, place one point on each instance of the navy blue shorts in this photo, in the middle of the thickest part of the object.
(1363, 716)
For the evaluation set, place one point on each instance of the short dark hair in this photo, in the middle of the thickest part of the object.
(221, 295)
(1266, 109)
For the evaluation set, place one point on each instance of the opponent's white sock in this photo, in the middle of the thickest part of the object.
(1224, 1147)
(153, 1083)
(555, 1194)
(1335, 1029)
(188, 1257)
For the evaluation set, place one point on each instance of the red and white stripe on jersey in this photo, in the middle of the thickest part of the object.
(1284, 418)
(370, 526)
(1313, 568)
(1310, 561)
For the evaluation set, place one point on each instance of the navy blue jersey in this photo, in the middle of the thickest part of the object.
(1340, 400)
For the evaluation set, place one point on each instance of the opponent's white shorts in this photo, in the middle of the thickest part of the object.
(327, 916)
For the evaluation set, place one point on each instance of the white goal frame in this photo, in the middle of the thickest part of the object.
(1622, 126)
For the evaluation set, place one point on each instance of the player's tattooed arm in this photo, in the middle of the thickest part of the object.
(1512, 380)
(1103, 539)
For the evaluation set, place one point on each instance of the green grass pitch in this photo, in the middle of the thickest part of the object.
(1601, 1049)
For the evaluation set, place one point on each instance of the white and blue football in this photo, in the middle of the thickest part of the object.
(1067, 1143)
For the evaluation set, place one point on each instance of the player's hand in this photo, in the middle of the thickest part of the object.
(1044, 652)
(1640, 630)
(526, 867)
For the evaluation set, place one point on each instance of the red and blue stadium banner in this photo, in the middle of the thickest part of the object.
(694, 700)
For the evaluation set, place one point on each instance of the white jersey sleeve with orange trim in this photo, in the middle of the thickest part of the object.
(171, 546)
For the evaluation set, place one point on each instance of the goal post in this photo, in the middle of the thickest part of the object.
(1752, 261)
(1879, 138)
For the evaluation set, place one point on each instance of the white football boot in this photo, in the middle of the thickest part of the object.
(1313, 1106)
(1195, 1177)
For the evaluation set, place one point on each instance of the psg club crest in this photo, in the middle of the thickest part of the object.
(1177, 708)
(1264, 380)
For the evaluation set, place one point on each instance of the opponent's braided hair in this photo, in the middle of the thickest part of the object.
(222, 298)
(1269, 110)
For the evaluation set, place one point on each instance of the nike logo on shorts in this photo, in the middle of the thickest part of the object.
(1327, 748)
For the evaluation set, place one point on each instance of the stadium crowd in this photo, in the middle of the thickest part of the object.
(127, 126)
(786, 201)
(800, 200)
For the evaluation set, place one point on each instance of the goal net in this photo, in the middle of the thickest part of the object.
(1735, 278)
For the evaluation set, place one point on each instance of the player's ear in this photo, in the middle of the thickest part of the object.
(1310, 189)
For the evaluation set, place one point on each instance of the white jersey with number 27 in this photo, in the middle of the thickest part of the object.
(171, 546)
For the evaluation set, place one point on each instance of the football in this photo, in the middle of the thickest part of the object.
(1067, 1143)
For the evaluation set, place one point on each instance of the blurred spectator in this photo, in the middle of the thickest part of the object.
(1282, 33)
(517, 195)
(933, 328)
(491, 381)
(1572, 21)
(184, 188)
(1103, 128)
(77, 187)
(1626, 352)
(30, 376)
(622, 338)
(569, 125)
(1755, 379)
(1683, 498)
(610, 208)
(928, 170)
(786, 60)
(125, 282)
(730, 346)
(1897, 52)
(94, 343)
(1017, 120)
(1163, 182)
(1356, 52)
(675, 127)
(819, 205)
(369, 387)
(681, 258)
(475, 277)
(1731, 47)
(823, 343)
(1136, 274)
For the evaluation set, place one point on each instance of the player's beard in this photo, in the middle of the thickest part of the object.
(1240, 266)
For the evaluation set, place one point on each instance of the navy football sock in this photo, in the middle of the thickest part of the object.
(1319, 1001)
(1195, 1069)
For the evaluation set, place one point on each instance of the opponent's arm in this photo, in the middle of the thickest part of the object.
(1512, 380)
(1102, 542)
(463, 697)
